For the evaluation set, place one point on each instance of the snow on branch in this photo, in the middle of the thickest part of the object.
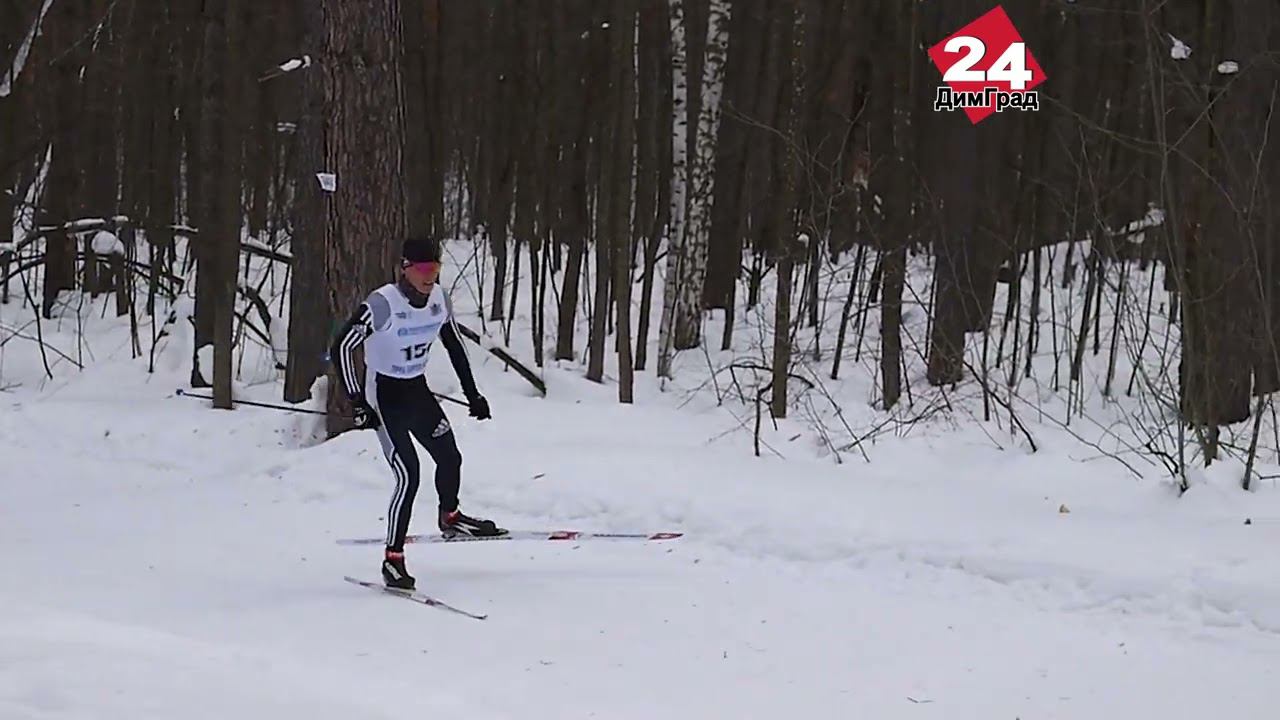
(85, 224)
(1134, 229)
(504, 354)
(106, 243)
(286, 68)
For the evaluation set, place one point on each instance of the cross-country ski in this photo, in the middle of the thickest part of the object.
(549, 535)
(414, 595)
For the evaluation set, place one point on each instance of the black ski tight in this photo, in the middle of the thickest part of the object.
(407, 407)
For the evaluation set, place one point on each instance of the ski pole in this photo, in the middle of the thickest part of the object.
(257, 404)
(286, 408)
(453, 400)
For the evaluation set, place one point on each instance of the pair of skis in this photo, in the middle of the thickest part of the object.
(549, 535)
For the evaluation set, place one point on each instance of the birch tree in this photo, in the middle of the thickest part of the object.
(693, 275)
(679, 184)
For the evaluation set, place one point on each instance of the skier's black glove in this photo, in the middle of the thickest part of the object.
(363, 416)
(479, 407)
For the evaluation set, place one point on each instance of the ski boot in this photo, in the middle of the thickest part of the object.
(455, 523)
(394, 573)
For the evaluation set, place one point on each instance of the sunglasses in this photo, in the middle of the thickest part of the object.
(427, 268)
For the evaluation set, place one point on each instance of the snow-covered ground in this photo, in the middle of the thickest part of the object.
(162, 559)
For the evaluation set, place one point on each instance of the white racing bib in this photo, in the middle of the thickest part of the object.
(403, 333)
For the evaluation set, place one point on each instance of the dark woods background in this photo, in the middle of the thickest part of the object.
(596, 145)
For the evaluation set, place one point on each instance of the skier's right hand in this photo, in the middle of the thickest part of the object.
(364, 417)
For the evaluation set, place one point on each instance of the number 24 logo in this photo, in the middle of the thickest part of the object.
(1011, 66)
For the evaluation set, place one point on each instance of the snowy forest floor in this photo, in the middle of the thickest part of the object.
(165, 559)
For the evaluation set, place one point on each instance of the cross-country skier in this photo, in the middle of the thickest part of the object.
(397, 324)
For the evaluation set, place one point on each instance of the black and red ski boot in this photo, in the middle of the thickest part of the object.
(394, 573)
(455, 523)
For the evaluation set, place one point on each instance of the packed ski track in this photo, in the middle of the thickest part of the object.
(164, 559)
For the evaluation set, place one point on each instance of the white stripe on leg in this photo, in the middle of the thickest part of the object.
(397, 499)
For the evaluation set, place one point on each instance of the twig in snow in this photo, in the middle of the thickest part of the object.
(1003, 403)
(26, 289)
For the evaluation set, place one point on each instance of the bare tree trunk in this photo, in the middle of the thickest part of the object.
(65, 24)
(654, 161)
(360, 62)
(646, 296)
(267, 31)
(539, 210)
(620, 186)
(499, 139)
(891, 322)
(438, 158)
(537, 296)
(156, 156)
(143, 94)
(600, 309)
(603, 80)
(101, 81)
(846, 311)
(213, 78)
(788, 164)
(1091, 287)
(569, 299)
(190, 51)
(221, 239)
(498, 245)
(574, 219)
(890, 129)
(781, 335)
(743, 90)
(417, 161)
(310, 317)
